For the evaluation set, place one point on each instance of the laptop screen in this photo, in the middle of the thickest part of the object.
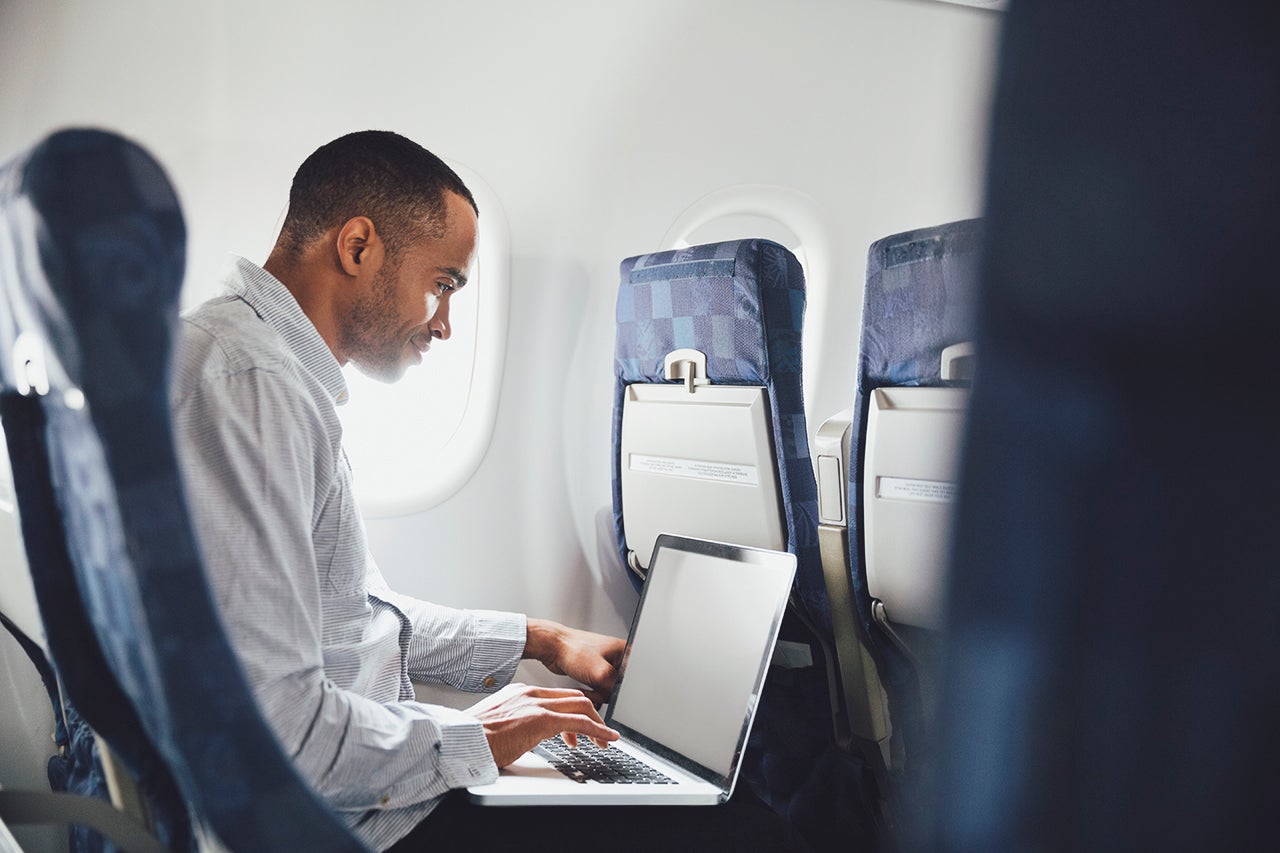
(700, 645)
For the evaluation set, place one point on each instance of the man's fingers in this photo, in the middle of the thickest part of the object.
(575, 725)
(596, 696)
(539, 690)
(572, 739)
(552, 692)
(579, 703)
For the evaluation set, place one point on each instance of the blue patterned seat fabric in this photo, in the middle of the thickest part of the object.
(919, 299)
(742, 303)
(91, 259)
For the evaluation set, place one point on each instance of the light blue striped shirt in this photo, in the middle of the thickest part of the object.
(328, 648)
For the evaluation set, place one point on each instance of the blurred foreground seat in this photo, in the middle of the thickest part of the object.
(92, 245)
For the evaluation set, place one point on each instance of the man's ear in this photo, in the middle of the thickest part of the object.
(359, 247)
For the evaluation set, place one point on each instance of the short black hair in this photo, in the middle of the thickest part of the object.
(392, 180)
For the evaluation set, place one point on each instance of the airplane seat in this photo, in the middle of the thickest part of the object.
(710, 441)
(92, 245)
(887, 472)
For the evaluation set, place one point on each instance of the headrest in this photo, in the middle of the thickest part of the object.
(920, 298)
(111, 200)
(741, 302)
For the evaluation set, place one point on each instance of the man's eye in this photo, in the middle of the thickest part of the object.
(445, 287)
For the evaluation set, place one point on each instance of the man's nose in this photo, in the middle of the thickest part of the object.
(439, 322)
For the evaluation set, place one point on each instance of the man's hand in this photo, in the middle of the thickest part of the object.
(518, 716)
(592, 659)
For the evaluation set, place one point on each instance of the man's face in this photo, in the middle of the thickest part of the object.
(407, 306)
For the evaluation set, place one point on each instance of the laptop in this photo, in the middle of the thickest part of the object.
(695, 663)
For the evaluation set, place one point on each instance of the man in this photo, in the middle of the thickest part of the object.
(378, 239)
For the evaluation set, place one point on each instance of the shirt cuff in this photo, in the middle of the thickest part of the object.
(463, 750)
(498, 648)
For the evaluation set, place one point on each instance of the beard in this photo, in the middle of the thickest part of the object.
(368, 334)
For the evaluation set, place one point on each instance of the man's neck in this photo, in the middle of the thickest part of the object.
(309, 286)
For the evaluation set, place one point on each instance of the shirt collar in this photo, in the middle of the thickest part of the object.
(276, 306)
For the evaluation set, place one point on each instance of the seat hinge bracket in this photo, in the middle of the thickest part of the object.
(687, 364)
(881, 615)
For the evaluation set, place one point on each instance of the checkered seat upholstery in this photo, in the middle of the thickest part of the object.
(741, 305)
(899, 446)
(710, 441)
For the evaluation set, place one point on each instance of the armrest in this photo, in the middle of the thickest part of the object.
(862, 715)
(45, 807)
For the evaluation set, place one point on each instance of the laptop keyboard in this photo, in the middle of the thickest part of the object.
(590, 763)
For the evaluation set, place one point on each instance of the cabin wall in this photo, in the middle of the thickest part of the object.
(596, 125)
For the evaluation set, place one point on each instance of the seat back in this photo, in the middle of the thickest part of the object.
(91, 263)
(1113, 648)
(707, 368)
(898, 454)
(710, 441)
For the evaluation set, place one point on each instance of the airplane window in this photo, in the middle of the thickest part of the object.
(774, 213)
(414, 443)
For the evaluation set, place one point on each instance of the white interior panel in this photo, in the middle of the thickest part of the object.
(699, 464)
(909, 485)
